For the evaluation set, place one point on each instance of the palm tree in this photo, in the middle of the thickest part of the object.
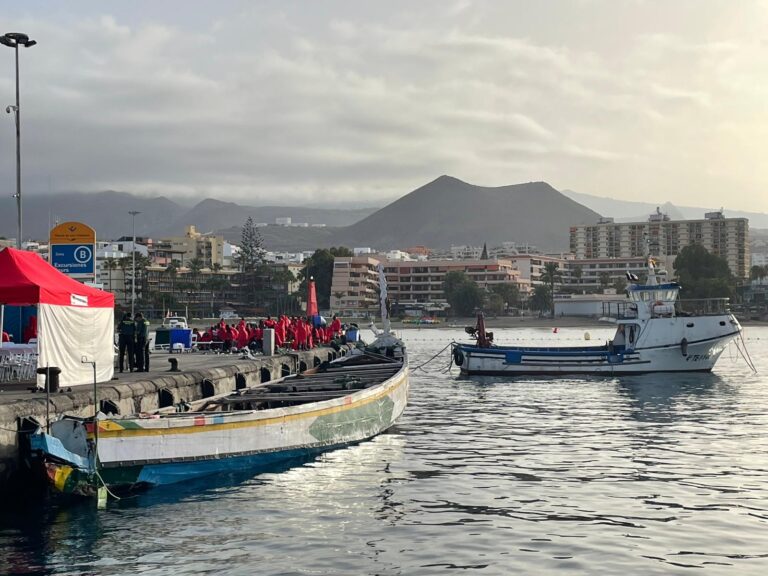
(195, 266)
(110, 264)
(576, 273)
(550, 277)
(124, 264)
(339, 295)
(172, 269)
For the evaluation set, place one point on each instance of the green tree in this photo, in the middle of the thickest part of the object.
(550, 277)
(495, 304)
(541, 299)
(251, 252)
(320, 267)
(452, 280)
(463, 294)
(605, 280)
(509, 294)
(216, 285)
(758, 272)
(620, 284)
(577, 272)
(703, 275)
(250, 261)
(172, 270)
(110, 264)
(467, 299)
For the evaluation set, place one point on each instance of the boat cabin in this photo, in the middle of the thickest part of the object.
(654, 300)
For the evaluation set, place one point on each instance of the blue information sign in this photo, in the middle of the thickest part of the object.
(73, 259)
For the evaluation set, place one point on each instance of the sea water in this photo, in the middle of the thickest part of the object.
(657, 474)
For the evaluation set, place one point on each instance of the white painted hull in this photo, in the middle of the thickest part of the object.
(681, 344)
(220, 435)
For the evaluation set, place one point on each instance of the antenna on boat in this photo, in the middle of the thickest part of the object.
(652, 279)
(101, 491)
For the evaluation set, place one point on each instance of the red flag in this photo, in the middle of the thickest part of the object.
(312, 299)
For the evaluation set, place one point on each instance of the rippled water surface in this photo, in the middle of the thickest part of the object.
(642, 475)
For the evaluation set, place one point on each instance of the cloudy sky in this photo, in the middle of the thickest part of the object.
(304, 102)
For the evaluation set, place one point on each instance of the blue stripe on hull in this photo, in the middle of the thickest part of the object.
(173, 472)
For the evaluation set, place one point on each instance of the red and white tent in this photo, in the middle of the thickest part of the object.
(75, 321)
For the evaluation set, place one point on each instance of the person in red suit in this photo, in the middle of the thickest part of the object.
(336, 327)
(300, 337)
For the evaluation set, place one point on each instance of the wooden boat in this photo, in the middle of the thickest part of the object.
(333, 405)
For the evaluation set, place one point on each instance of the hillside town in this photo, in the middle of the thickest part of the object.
(202, 275)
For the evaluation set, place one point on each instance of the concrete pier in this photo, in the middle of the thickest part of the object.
(199, 376)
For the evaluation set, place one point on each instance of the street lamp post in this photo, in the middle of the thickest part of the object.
(14, 40)
(133, 264)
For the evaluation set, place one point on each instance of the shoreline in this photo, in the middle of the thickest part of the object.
(526, 322)
(490, 322)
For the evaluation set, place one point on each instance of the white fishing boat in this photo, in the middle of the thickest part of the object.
(655, 332)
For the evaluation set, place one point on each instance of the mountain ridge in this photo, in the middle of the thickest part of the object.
(637, 211)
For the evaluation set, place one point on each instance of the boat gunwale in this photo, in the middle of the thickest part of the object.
(245, 418)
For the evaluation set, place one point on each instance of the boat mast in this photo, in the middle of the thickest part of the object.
(652, 279)
(383, 299)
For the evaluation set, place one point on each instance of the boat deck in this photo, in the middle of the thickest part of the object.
(330, 381)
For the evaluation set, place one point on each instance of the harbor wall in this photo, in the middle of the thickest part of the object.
(157, 391)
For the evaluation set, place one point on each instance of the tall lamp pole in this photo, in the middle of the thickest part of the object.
(133, 265)
(14, 40)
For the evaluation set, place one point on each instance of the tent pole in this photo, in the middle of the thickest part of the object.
(2, 323)
(48, 399)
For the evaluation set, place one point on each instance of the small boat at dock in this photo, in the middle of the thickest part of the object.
(333, 405)
(336, 404)
(656, 332)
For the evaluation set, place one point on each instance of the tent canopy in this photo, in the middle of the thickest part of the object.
(27, 279)
(76, 322)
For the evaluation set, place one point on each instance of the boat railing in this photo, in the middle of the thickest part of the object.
(703, 307)
(619, 310)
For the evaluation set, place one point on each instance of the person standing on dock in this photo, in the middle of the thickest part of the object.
(142, 343)
(126, 341)
(336, 327)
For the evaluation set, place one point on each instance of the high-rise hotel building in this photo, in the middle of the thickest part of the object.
(726, 237)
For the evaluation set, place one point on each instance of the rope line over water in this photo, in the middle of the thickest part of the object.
(421, 366)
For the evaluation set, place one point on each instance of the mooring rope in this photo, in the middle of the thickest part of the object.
(421, 366)
(744, 352)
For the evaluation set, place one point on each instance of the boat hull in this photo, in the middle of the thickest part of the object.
(153, 451)
(681, 351)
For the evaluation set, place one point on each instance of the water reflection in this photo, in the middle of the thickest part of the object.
(673, 397)
(526, 475)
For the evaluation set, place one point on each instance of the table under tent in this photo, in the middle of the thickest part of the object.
(75, 322)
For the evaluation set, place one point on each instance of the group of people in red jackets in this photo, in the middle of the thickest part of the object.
(290, 332)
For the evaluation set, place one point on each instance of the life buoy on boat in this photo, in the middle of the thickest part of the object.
(458, 356)
(684, 346)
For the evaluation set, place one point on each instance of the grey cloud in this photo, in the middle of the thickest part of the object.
(307, 101)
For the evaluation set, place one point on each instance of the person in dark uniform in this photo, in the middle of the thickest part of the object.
(142, 343)
(127, 331)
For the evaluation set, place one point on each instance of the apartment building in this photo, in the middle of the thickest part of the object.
(592, 273)
(356, 279)
(725, 237)
(355, 283)
(209, 249)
